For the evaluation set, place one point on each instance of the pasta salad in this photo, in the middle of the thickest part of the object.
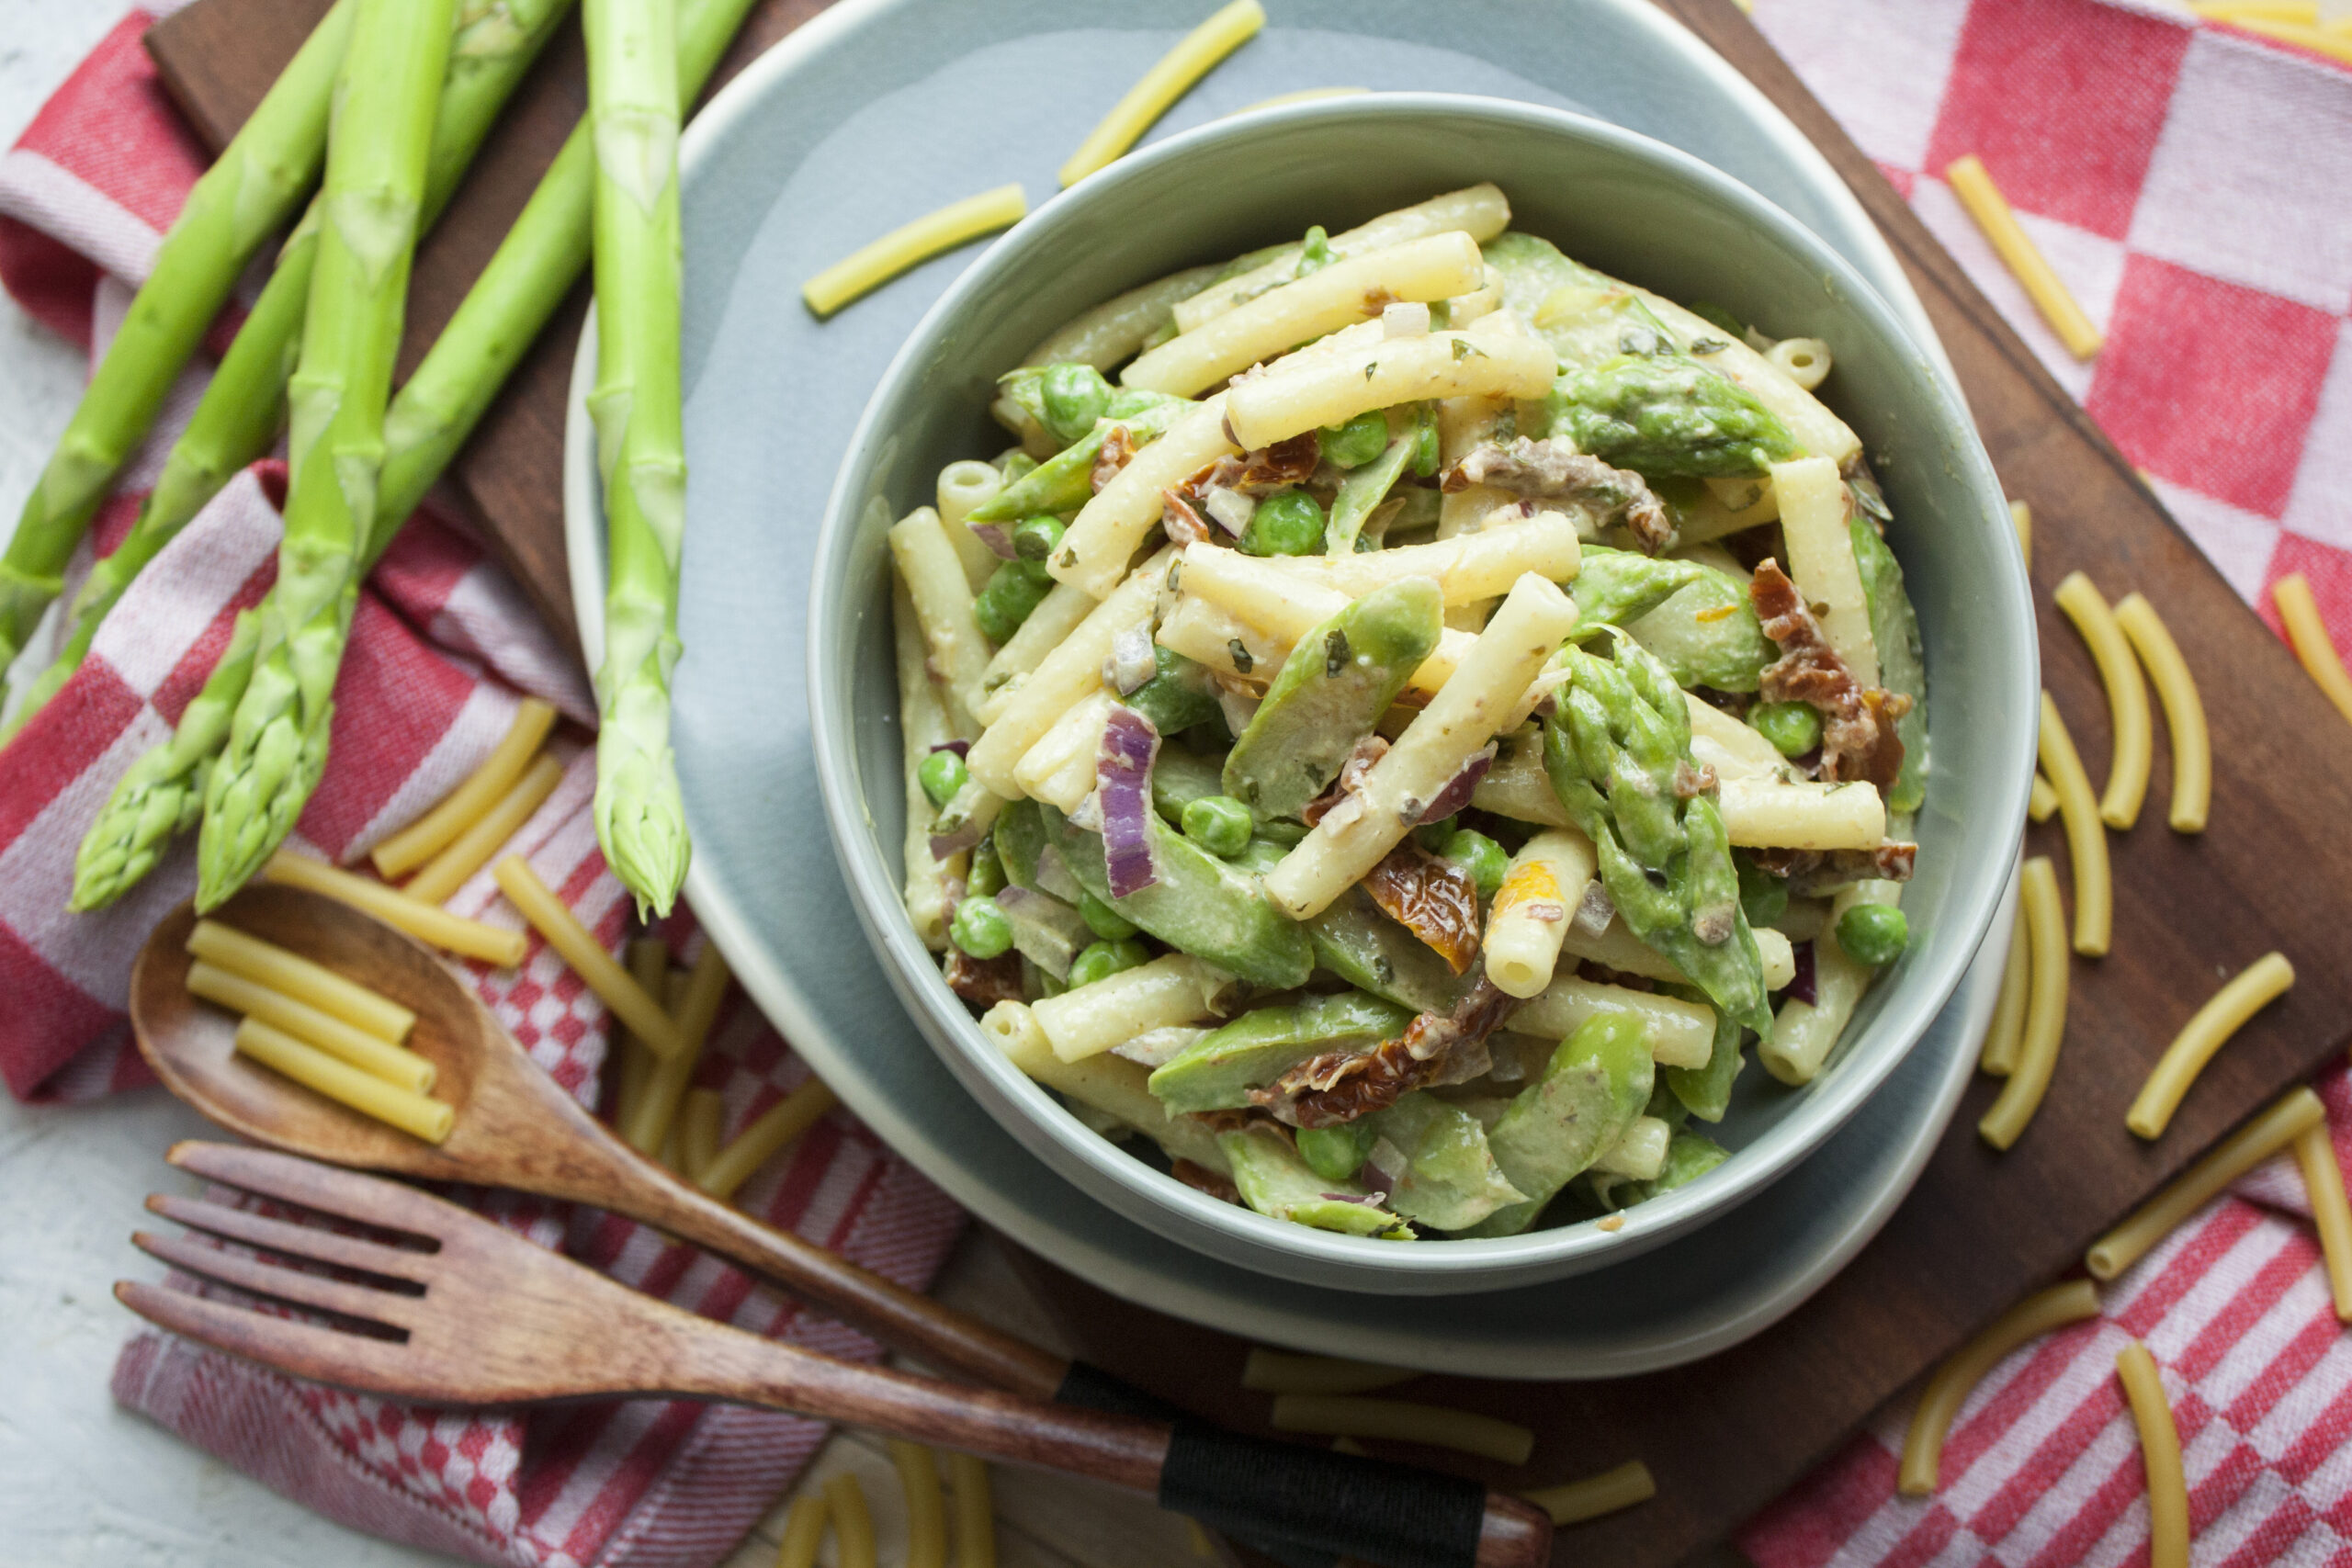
(1405, 712)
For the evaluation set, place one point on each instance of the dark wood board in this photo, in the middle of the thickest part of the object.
(1727, 1436)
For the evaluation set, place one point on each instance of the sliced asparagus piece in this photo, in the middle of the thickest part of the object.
(1064, 481)
(527, 277)
(1450, 1180)
(1206, 907)
(245, 403)
(1274, 1181)
(1663, 412)
(1354, 939)
(1217, 1071)
(1331, 691)
(1596, 1083)
(248, 193)
(1895, 629)
(370, 205)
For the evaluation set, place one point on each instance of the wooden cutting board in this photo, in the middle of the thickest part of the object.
(1727, 1436)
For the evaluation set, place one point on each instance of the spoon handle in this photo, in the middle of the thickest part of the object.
(905, 1320)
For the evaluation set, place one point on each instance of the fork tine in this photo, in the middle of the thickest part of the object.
(294, 1241)
(323, 1355)
(261, 1279)
(369, 1200)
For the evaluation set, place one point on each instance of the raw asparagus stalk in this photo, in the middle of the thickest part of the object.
(243, 405)
(533, 269)
(369, 209)
(249, 193)
(633, 120)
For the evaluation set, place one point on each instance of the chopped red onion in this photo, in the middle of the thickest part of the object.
(1046, 931)
(946, 845)
(1123, 772)
(961, 748)
(1383, 1167)
(1089, 814)
(1457, 792)
(1801, 986)
(1594, 910)
(998, 538)
(1132, 661)
(1231, 509)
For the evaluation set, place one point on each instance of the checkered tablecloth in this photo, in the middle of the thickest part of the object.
(2192, 184)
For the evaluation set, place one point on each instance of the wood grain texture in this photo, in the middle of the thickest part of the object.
(1982, 1228)
(515, 1126)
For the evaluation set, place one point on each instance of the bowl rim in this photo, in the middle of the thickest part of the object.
(1044, 1125)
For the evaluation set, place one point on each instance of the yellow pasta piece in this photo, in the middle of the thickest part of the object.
(804, 1531)
(852, 1522)
(918, 1469)
(649, 961)
(2041, 283)
(975, 1511)
(1402, 1421)
(340, 1081)
(434, 831)
(2302, 35)
(766, 1137)
(1279, 1371)
(579, 947)
(1170, 79)
(2299, 612)
(291, 974)
(2006, 1036)
(2254, 988)
(2331, 1212)
(471, 849)
(1291, 398)
(2159, 1456)
(2192, 747)
(1922, 1443)
(665, 1087)
(2045, 1015)
(2043, 803)
(393, 1064)
(1304, 95)
(701, 1122)
(873, 265)
(2127, 699)
(428, 923)
(2266, 10)
(2021, 519)
(1589, 1498)
(2085, 834)
(2275, 1129)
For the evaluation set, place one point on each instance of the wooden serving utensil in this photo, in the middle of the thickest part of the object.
(515, 1126)
(459, 1311)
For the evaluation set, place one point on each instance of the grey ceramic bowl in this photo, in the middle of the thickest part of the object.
(1623, 203)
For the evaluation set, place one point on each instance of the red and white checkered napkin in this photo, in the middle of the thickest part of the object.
(2193, 184)
(440, 644)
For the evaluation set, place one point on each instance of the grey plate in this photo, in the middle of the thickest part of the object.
(880, 110)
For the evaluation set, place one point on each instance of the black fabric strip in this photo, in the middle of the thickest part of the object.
(1091, 1388)
(1360, 1507)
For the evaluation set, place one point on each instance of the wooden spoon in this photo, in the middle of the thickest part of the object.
(516, 1127)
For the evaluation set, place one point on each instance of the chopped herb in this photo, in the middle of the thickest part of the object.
(1464, 349)
(1335, 653)
(1708, 346)
(1241, 660)
(1369, 368)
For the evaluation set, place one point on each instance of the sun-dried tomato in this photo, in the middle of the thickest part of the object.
(984, 981)
(1432, 898)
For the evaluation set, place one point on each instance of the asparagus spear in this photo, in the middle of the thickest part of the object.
(641, 436)
(526, 281)
(370, 208)
(1618, 751)
(243, 405)
(249, 192)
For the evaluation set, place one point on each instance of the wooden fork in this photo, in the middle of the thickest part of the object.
(468, 1314)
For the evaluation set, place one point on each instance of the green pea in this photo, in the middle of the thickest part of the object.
(981, 929)
(1432, 836)
(1794, 729)
(1034, 538)
(1875, 934)
(1102, 960)
(1764, 896)
(1017, 588)
(1103, 921)
(986, 879)
(1356, 443)
(1072, 396)
(1218, 823)
(1287, 523)
(1335, 1154)
(941, 774)
(1480, 857)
